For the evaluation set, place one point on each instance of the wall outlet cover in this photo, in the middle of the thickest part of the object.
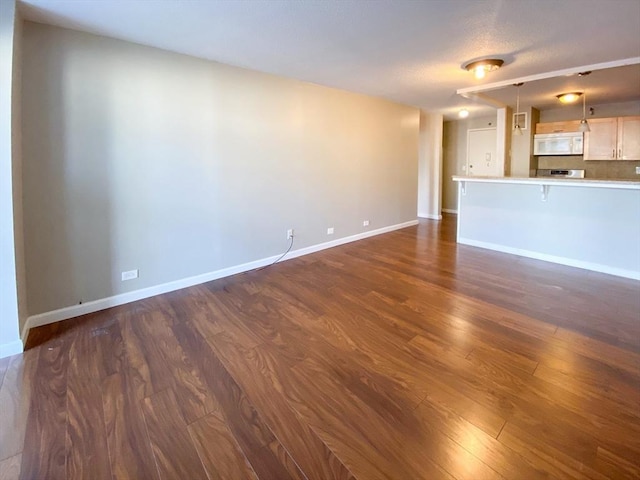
(129, 275)
(330, 231)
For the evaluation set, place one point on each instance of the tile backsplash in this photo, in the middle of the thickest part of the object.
(601, 169)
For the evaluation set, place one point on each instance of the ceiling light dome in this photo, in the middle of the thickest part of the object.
(568, 97)
(481, 67)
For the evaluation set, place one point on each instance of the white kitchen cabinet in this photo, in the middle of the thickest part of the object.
(601, 143)
(629, 138)
(558, 127)
(615, 138)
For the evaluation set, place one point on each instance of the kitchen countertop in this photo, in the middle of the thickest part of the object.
(572, 182)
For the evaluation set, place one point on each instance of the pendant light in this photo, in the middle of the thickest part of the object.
(584, 125)
(516, 129)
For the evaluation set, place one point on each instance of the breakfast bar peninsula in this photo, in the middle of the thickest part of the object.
(585, 223)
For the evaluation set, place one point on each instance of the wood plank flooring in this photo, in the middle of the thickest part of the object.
(402, 356)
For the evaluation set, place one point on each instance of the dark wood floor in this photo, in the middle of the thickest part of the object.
(403, 356)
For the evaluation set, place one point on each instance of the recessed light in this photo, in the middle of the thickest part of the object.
(464, 113)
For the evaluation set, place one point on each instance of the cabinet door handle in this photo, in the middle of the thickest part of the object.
(613, 153)
(620, 154)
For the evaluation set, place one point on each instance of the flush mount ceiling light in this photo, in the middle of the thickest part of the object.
(568, 97)
(481, 67)
(464, 113)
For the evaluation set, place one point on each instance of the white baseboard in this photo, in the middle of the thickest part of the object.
(450, 210)
(596, 267)
(11, 348)
(103, 303)
(430, 216)
(25, 331)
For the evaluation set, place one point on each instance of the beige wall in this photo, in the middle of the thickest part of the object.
(625, 170)
(137, 158)
(454, 146)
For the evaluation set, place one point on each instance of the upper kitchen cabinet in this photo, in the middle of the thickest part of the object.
(629, 138)
(601, 142)
(613, 139)
(558, 127)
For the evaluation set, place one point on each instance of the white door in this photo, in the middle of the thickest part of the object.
(481, 152)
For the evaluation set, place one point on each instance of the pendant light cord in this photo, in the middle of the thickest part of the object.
(517, 129)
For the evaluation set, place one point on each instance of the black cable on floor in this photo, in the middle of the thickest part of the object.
(278, 259)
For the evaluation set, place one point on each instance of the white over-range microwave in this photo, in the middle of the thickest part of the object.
(570, 143)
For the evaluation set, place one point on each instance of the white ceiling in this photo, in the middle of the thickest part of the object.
(409, 51)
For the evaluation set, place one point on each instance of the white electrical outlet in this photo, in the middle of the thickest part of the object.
(130, 275)
(330, 231)
(365, 223)
(289, 233)
(637, 170)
